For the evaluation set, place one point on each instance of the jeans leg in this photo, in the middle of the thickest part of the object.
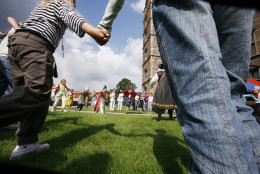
(3, 81)
(189, 46)
(7, 71)
(6, 82)
(235, 34)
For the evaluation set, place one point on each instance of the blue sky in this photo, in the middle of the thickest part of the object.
(85, 63)
(129, 22)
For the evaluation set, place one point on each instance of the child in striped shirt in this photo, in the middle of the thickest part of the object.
(31, 59)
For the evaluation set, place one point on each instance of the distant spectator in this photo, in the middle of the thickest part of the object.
(146, 102)
(112, 100)
(94, 99)
(129, 97)
(82, 99)
(120, 100)
(256, 91)
(69, 100)
(150, 102)
(136, 102)
(163, 98)
(100, 104)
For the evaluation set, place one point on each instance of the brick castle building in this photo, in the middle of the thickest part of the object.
(255, 50)
(151, 56)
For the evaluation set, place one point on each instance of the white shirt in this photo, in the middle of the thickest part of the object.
(120, 97)
(150, 99)
(4, 43)
(112, 96)
(155, 78)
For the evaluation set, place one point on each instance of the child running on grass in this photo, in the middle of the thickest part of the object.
(61, 94)
(31, 57)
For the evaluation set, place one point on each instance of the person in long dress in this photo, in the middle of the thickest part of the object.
(100, 104)
(163, 98)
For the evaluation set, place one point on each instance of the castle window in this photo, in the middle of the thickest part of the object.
(253, 49)
(145, 31)
(145, 71)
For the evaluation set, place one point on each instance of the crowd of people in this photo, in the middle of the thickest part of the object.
(205, 50)
(127, 98)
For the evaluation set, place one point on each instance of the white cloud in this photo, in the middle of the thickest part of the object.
(138, 6)
(84, 65)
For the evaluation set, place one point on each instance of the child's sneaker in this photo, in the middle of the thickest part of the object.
(21, 150)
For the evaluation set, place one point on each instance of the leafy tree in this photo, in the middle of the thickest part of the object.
(125, 84)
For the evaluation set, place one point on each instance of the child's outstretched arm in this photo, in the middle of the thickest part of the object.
(13, 22)
(101, 37)
(112, 9)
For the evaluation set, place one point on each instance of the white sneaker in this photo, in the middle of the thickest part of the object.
(21, 150)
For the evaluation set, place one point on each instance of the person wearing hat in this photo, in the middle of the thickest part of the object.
(129, 97)
(163, 98)
(82, 98)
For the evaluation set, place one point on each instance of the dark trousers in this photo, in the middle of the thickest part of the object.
(31, 62)
(160, 114)
(80, 107)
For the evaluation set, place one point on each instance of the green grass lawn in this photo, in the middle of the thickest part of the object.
(104, 143)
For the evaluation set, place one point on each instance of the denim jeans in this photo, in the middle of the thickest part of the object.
(205, 49)
(6, 81)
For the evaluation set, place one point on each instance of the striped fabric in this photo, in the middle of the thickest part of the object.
(51, 22)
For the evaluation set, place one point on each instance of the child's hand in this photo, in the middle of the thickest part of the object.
(98, 35)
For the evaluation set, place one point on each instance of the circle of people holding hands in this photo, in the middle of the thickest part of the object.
(97, 100)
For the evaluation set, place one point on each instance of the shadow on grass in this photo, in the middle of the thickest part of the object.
(170, 152)
(74, 120)
(96, 163)
(73, 137)
(6, 134)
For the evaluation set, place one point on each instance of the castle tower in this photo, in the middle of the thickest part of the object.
(151, 56)
(255, 50)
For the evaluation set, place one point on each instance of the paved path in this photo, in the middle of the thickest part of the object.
(122, 113)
